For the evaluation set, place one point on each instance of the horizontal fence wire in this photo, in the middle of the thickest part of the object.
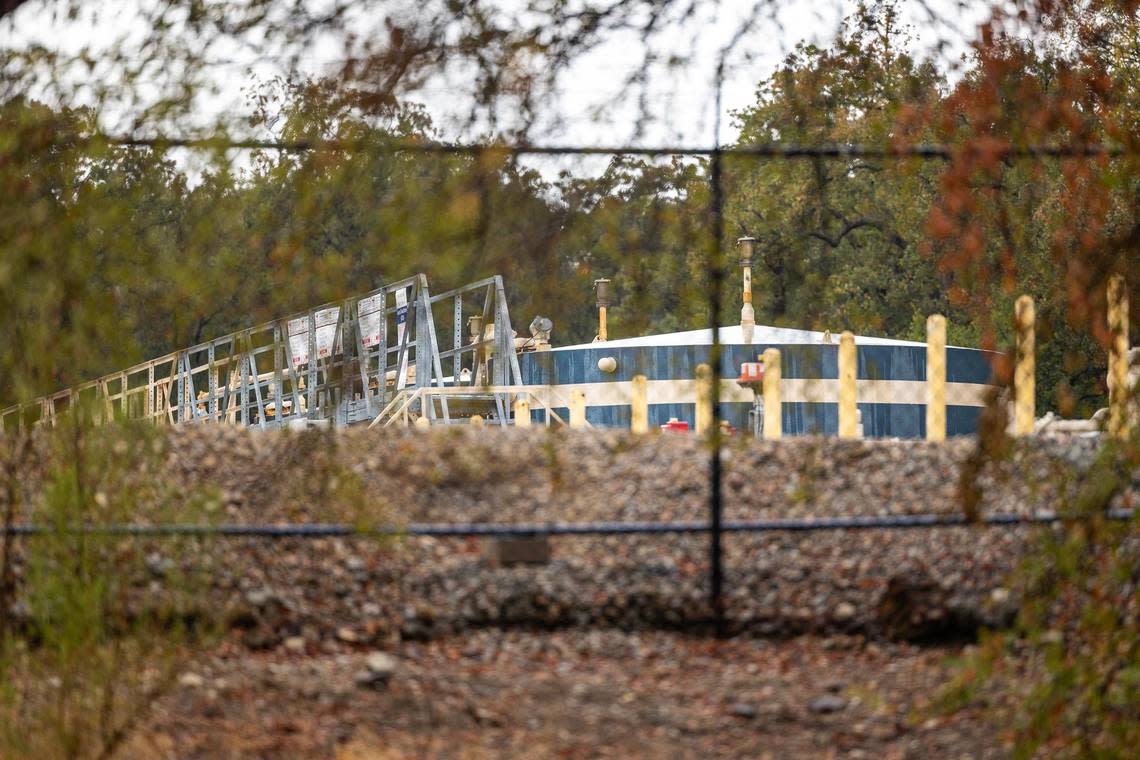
(462, 530)
(762, 150)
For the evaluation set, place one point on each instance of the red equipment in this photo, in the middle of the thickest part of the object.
(751, 373)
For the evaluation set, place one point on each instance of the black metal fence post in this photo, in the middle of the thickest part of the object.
(716, 282)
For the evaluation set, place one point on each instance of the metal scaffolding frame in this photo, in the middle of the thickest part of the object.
(342, 362)
(406, 403)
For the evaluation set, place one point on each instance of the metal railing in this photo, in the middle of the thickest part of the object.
(421, 402)
(339, 361)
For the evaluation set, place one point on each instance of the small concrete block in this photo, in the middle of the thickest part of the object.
(505, 552)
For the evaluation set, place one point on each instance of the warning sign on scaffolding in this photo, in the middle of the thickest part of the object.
(299, 340)
(370, 319)
(325, 321)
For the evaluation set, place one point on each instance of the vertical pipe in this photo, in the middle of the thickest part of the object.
(773, 411)
(747, 312)
(704, 413)
(1119, 423)
(936, 378)
(639, 405)
(603, 300)
(848, 423)
(522, 413)
(577, 409)
(1024, 375)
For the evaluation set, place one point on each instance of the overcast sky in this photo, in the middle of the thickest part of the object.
(586, 109)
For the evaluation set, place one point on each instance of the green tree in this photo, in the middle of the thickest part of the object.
(840, 240)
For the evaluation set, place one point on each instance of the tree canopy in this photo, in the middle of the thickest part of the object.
(871, 245)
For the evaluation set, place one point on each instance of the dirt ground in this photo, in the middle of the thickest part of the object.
(569, 694)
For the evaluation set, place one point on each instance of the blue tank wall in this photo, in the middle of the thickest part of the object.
(798, 361)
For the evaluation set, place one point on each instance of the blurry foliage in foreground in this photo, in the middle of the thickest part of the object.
(92, 627)
(109, 255)
(95, 627)
(1065, 680)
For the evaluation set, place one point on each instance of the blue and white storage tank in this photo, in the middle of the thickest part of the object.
(890, 380)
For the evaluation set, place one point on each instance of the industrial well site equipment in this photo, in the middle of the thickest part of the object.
(381, 360)
(346, 363)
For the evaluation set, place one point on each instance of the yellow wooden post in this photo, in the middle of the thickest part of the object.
(1024, 374)
(773, 420)
(1118, 418)
(522, 413)
(848, 424)
(936, 378)
(639, 405)
(704, 420)
(577, 409)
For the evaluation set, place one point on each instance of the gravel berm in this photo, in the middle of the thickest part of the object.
(921, 584)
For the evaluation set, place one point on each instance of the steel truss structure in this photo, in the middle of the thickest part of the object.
(340, 362)
(407, 403)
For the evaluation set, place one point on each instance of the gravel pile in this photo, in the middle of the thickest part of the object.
(907, 584)
(468, 475)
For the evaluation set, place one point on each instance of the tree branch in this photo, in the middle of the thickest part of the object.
(850, 226)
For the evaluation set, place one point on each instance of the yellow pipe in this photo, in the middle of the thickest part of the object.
(639, 405)
(936, 378)
(1119, 424)
(848, 416)
(522, 413)
(577, 409)
(773, 420)
(704, 418)
(1024, 374)
(747, 312)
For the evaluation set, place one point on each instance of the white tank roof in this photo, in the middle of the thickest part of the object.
(733, 335)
